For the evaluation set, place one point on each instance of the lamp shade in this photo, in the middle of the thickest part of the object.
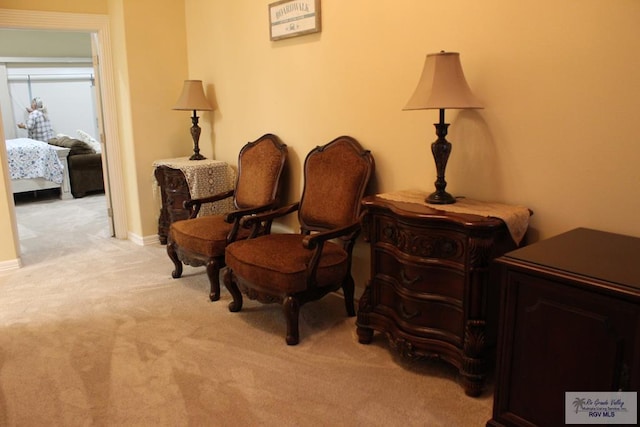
(442, 85)
(192, 97)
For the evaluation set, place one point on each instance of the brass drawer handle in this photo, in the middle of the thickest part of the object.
(406, 280)
(406, 315)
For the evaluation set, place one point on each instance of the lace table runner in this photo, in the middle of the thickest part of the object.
(515, 217)
(205, 178)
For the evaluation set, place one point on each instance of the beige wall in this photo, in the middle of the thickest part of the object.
(151, 61)
(559, 80)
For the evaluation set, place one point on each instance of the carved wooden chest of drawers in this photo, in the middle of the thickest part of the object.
(429, 290)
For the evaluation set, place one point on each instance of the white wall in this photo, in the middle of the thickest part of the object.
(5, 104)
(71, 105)
(67, 92)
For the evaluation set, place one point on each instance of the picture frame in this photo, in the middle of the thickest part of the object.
(292, 18)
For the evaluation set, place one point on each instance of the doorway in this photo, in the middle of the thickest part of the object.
(98, 25)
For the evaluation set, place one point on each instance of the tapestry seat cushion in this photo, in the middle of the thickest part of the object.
(205, 235)
(280, 261)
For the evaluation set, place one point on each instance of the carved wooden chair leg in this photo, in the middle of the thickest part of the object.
(348, 289)
(291, 309)
(171, 251)
(213, 272)
(232, 287)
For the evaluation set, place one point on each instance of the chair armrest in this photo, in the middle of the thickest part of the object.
(261, 222)
(235, 218)
(239, 213)
(194, 205)
(250, 221)
(313, 240)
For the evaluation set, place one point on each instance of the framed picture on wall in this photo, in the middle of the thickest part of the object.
(291, 18)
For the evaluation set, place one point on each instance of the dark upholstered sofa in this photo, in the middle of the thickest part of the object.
(85, 174)
(85, 166)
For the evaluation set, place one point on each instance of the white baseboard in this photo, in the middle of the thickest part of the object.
(143, 241)
(280, 228)
(13, 264)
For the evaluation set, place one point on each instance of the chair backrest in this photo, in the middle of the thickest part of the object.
(260, 167)
(335, 179)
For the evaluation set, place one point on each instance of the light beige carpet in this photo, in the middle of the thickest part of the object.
(95, 332)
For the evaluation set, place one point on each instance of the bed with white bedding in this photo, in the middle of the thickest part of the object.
(36, 165)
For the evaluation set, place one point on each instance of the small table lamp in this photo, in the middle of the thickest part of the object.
(193, 98)
(441, 86)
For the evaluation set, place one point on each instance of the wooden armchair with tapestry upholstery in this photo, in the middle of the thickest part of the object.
(293, 269)
(202, 240)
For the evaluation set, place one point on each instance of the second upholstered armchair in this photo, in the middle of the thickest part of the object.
(296, 268)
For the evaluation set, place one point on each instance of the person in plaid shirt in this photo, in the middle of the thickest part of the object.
(38, 124)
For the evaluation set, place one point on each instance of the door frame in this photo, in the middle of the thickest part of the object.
(98, 25)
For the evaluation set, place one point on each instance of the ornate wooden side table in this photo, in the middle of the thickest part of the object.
(181, 179)
(430, 291)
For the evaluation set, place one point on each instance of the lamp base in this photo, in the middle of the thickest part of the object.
(440, 198)
(441, 149)
(195, 135)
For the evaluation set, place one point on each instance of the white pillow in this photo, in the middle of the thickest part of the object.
(83, 136)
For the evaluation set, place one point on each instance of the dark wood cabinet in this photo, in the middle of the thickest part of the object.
(570, 322)
(430, 292)
(174, 191)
